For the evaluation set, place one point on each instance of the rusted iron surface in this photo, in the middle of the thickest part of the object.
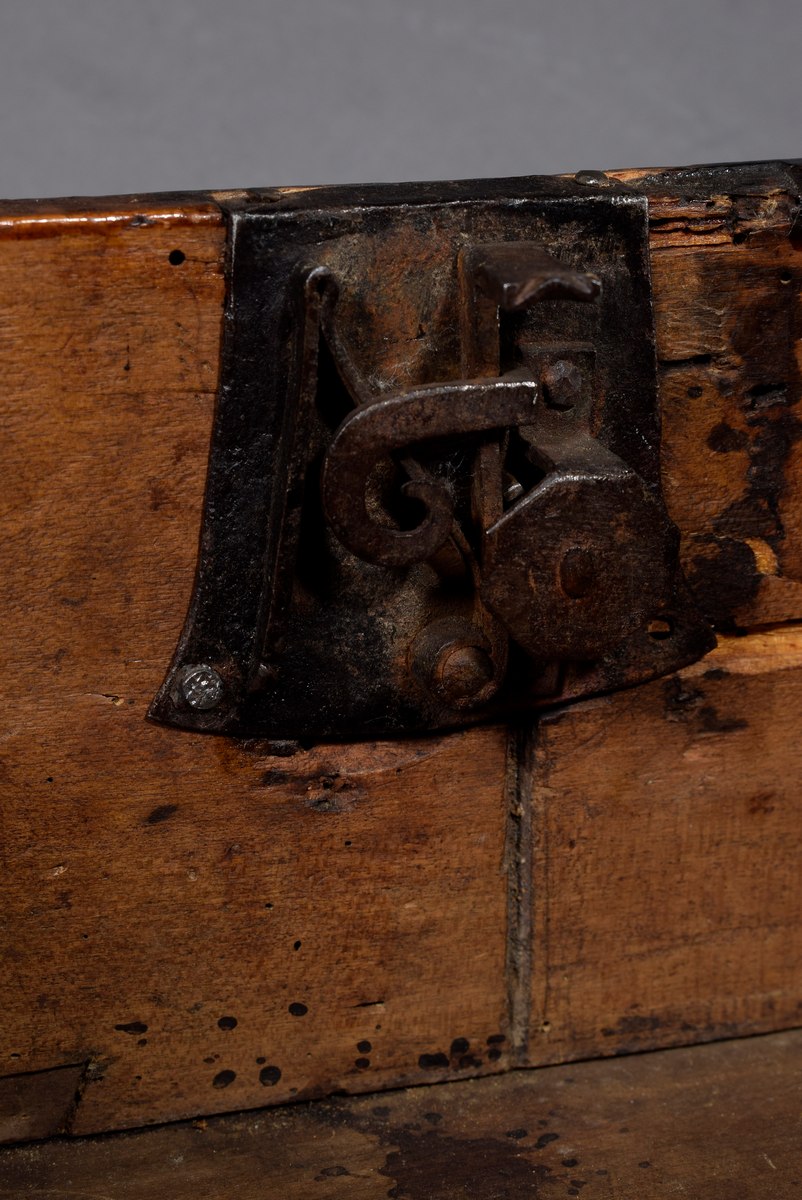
(717, 1121)
(434, 491)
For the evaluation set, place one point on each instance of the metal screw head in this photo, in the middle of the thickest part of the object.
(201, 686)
(562, 384)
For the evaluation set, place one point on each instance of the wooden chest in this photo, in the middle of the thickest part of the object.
(198, 923)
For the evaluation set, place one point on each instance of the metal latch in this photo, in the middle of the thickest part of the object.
(434, 491)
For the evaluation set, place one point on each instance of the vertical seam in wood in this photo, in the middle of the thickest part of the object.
(518, 859)
(67, 1122)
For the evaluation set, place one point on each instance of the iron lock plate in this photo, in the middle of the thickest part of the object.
(433, 493)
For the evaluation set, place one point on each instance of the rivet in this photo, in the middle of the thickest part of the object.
(594, 179)
(462, 671)
(201, 687)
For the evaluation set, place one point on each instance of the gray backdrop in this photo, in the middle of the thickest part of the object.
(144, 95)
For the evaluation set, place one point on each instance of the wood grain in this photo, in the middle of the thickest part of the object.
(38, 1104)
(727, 281)
(171, 901)
(717, 1121)
(157, 884)
(667, 838)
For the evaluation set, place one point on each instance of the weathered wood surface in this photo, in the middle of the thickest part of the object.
(139, 863)
(172, 903)
(717, 1122)
(667, 837)
(727, 277)
(39, 1103)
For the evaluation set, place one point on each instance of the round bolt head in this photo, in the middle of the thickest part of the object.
(454, 662)
(593, 178)
(201, 687)
(463, 671)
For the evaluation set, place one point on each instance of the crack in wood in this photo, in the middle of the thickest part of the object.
(518, 861)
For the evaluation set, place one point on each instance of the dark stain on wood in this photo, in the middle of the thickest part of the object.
(724, 439)
(39, 1104)
(681, 698)
(433, 1062)
(711, 721)
(162, 813)
(708, 1121)
(434, 1166)
(723, 576)
(763, 802)
(774, 433)
(685, 702)
(224, 1079)
(633, 1024)
(545, 1139)
(759, 370)
(337, 1172)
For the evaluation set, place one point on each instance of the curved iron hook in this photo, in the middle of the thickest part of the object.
(374, 431)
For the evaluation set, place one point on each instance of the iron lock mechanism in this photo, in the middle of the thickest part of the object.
(433, 492)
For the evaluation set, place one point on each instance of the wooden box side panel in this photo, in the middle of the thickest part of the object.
(203, 926)
(667, 833)
(172, 902)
